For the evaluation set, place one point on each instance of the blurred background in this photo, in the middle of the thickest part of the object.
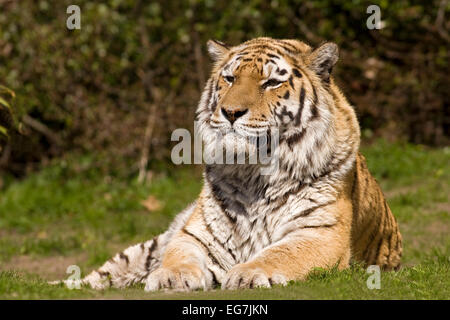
(118, 87)
(86, 117)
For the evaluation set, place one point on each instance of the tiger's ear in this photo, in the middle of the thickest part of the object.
(217, 49)
(323, 59)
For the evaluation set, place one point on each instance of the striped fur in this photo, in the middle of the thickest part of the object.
(319, 208)
(375, 237)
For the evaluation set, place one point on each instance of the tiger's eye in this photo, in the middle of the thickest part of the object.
(271, 83)
(229, 79)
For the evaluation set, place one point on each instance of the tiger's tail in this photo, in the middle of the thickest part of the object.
(128, 267)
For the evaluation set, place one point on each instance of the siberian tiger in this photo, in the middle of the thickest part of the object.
(320, 208)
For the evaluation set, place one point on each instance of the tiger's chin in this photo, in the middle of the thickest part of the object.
(229, 147)
(236, 147)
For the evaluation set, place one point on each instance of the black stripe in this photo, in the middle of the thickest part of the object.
(289, 48)
(208, 226)
(386, 226)
(386, 211)
(300, 108)
(220, 43)
(321, 226)
(232, 254)
(378, 236)
(270, 82)
(260, 47)
(377, 252)
(210, 255)
(273, 56)
(214, 105)
(103, 273)
(308, 211)
(124, 257)
(295, 138)
(337, 166)
(389, 247)
(314, 108)
(107, 275)
(297, 73)
(214, 279)
(355, 198)
(285, 196)
(372, 237)
(283, 113)
(150, 251)
(266, 230)
(288, 44)
(306, 227)
(291, 82)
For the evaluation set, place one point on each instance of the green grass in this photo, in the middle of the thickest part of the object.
(70, 214)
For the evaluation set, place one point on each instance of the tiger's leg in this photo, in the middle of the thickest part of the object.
(186, 259)
(183, 267)
(291, 259)
(294, 256)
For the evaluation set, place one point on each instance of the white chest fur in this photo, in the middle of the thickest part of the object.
(244, 223)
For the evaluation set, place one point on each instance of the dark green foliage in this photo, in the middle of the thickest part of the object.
(93, 88)
(6, 115)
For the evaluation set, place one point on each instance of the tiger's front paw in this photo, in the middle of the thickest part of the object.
(246, 276)
(182, 278)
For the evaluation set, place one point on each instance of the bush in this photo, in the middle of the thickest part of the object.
(6, 116)
(96, 89)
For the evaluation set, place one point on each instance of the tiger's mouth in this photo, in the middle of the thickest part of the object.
(242, 132)
(241, 136)
(241, 129)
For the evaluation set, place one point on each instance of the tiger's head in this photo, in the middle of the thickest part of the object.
(267, 84)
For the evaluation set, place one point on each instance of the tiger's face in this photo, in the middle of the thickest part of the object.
(266, 84)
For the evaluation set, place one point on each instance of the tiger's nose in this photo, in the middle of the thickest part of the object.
(232, 114)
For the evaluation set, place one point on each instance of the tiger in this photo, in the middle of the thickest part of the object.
(319, 208)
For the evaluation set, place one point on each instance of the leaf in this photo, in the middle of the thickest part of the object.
(5, 103)
(4, 89)
(151, 203)
(3, 131)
